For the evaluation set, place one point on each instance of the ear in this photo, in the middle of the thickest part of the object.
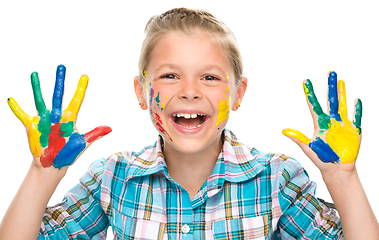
(140, 93)
(240, 93)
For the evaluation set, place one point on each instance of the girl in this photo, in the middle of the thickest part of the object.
(198, 181)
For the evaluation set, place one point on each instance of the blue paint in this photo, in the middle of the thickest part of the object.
(333, 96)
(56, 112)
(151, 95)
(323, 151)
(75, 145)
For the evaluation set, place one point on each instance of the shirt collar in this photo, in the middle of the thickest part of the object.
(235, 163)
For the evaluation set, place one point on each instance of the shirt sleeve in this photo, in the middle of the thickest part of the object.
(304, 215)
(80, 214)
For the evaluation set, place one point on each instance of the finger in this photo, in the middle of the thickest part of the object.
(97, 133)
(73, 108)
(322, 120)
(76, 144)
(357, 119)
(70, 152)
(333, 96)
(296, 134)
(56, 111)
(20, 114)
(38, 99)
(342, 100)
(323, 151)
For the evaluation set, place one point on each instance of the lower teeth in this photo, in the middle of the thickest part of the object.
(190, 127)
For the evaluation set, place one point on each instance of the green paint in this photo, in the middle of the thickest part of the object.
(38, 99)
(44, 127)
(308, 89)
(323, 118)
(323, 121)
(358, 115)
(157, 99)
(67, 128)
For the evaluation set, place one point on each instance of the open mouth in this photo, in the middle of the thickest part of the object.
(189, 120)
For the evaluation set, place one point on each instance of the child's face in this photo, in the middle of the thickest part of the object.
(190, 89)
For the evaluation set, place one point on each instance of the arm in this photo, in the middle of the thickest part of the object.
(55, 145)
(333, 149)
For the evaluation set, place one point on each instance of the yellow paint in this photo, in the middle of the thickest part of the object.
(344, 140)
(20, 114)
(31, 124)
(223, 109)
(163, 105)
(227, 76)
(33, 136)
(342, 107)
(306, 90)
(289, 132)
(73, 108)
(144, 74)
(166, 96)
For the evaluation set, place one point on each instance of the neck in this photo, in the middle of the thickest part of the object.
(191, 170)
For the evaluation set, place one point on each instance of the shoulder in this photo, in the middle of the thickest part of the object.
(113, 167)
(279, 166)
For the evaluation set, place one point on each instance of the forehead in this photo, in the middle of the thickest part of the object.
(188, 51)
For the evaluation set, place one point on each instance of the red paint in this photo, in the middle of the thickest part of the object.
(56, 143)
(96, 133)
(158, 122)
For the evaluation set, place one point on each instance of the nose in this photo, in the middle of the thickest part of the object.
(190, 90)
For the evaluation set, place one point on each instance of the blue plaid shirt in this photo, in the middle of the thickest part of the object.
(249, 195)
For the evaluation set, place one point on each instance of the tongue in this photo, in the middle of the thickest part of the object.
(188, 122)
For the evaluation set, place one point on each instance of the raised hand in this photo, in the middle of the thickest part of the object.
(336, 139)
(53, 137)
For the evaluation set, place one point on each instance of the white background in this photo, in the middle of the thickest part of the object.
(282, 43)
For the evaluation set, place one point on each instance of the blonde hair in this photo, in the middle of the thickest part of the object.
(187, 21)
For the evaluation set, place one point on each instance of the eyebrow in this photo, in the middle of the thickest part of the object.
(167, 65)
(177, 67)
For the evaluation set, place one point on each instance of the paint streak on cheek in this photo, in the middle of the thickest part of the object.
(158, 123)
(224, 108)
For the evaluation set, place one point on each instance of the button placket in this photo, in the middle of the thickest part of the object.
(186, 229)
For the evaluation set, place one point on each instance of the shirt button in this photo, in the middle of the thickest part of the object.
(185, 229)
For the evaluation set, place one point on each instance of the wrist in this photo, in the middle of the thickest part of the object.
(51, 175)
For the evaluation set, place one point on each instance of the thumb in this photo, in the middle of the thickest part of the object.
(97, 133)
(303, 142)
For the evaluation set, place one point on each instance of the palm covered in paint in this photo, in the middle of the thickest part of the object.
(53, 138)
(336, 139)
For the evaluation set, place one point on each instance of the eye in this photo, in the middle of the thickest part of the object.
(169, 76)
(210, 78)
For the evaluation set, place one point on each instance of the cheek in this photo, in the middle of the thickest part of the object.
(223, 105)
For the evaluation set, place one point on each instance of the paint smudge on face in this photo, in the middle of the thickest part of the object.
(224, 106)
(158, 122)
(223, 110)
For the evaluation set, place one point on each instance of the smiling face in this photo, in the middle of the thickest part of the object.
(190, 91)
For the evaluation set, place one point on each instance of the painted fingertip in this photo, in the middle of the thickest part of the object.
(332, 74)
(289, 132)
(96, 133)
(61, 67)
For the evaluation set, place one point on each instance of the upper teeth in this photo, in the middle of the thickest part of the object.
(187, 115)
